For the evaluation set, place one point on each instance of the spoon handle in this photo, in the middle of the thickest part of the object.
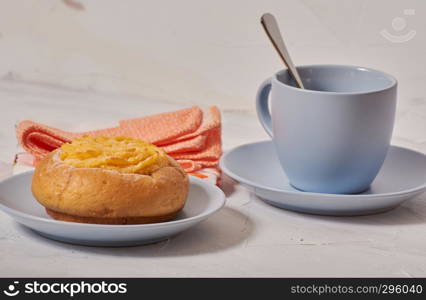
(272, 30)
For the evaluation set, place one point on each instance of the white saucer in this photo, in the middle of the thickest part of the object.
(16, 200)
(256, 166)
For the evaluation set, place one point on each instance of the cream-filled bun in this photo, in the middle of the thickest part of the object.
(107, 180)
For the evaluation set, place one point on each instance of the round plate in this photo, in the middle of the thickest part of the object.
(402, 176)
(16, 199)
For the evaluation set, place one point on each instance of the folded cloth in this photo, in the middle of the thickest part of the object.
(191, 136)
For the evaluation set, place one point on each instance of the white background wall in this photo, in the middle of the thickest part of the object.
(202, 52)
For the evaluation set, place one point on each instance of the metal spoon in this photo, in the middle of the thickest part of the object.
(272, 30)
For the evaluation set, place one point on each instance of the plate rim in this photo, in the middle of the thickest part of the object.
(193, 180)
(240, 179)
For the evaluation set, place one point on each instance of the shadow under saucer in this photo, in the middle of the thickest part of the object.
(410, 212)
(228, 228)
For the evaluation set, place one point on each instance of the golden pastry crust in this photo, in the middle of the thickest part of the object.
(112, 221)
(95, 195)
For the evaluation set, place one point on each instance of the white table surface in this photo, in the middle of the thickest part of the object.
(246, 238)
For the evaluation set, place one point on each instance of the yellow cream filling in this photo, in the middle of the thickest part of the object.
(125, 155)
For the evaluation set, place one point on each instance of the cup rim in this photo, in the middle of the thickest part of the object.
(392, 79)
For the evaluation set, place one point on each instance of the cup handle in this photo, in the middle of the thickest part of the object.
(262, 106)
